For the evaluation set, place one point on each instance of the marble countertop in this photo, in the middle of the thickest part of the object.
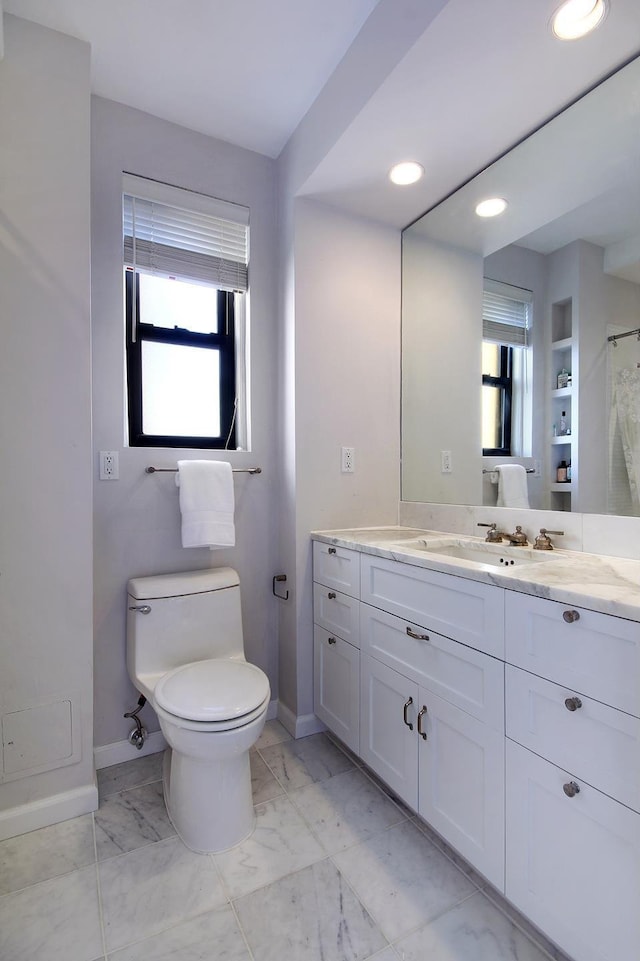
(610, 585)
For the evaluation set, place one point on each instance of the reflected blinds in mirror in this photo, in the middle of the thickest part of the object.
(506, 313)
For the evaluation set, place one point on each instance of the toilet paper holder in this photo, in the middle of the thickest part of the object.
(279, 578)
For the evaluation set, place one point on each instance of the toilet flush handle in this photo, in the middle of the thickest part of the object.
(141, 608)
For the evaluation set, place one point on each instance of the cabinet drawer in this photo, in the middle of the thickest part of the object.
(593, 741)
(337, 613)
(337, 567)
(336, 686)
(462, 609)
(595, 654)
(573, 863)
(461, 675)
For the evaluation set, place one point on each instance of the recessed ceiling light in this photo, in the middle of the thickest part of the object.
(407, 172)
(491, 207)
(575, 18)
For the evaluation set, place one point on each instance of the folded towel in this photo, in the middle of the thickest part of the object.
(207, 503)
(512, 486)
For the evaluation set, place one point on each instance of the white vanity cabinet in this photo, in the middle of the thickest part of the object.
(573, 775)
(432, 708)
(336, 655)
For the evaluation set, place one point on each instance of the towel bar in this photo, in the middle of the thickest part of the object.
(174, 470)
(492, 470)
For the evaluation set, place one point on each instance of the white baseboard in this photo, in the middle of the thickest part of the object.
(119, 751)
(299, 726)
(50, 810)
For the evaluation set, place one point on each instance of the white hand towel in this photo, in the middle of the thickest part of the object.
(512, 486)
(207, 503)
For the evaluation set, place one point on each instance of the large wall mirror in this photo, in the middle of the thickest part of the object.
(507, 322)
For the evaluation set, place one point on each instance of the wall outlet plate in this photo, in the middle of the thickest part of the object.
(348, 460)
(109, 468)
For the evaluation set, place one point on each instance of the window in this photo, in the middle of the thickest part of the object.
(506, 362)
(186, 271)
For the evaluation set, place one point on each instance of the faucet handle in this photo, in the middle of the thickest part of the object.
(494, 536)
(543, 541)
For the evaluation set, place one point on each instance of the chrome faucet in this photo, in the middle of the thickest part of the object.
(494, 536)
(543, 541)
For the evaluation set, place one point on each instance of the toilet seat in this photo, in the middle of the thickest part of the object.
(213, 694)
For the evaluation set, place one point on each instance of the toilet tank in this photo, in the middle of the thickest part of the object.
(193, 615)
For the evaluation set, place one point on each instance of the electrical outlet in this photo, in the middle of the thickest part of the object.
(348, 460)
(109, 469)
(446, 465)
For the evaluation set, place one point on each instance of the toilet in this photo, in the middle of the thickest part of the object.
(185, 653)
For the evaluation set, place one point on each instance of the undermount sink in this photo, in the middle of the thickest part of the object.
(495, 555)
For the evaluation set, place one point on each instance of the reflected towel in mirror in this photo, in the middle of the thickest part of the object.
(512, 486)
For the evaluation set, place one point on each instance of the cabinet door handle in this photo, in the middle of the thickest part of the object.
(418, 637)
(407, 705)
(331, 595)
(331, 640)
(421, 713)
(571, 789)
(571, 616)
(331, 550)
(572, 703)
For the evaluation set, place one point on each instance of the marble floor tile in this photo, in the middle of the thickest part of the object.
(131, 819)
(56, 920)
(345, 809)
(264, 786)
(402, 879)
(280, 844)
(151, 889)
(311, 915)
(210, 937)
(461, 863)
(310, 759)
(134, 773)
(473, 931)
(388, 954)
(46, 853)
(272, 733)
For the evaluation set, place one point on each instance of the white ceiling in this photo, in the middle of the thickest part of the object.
(245, 71)
(475, 78)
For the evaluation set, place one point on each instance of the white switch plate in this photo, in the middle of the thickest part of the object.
(446, 465)
(348, 460)
(109, 468)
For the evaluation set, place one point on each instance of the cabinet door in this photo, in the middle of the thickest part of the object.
(461, 788)
(573, 862)
(336, 686)
(388, 742)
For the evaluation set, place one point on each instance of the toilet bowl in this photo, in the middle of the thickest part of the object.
(185, 653)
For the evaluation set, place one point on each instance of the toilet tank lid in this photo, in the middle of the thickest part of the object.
(186, 582)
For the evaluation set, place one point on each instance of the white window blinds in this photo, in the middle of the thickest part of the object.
(506, 313)
(178, 240)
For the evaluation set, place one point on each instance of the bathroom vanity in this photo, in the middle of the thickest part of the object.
(496, 690)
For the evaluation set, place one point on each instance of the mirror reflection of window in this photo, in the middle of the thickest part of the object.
(506, 370)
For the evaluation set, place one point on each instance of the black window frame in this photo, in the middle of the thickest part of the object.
(504, 382)
(223, 341)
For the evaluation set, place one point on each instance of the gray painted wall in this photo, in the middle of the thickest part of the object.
(45, 413)
(137, 519)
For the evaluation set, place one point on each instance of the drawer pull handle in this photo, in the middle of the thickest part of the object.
(418, 637)
(331, 595)
(331, 550)
(331, 640)
(571, 616)
(572, 703)
(571, 789)
(407, 705)
(421, 713)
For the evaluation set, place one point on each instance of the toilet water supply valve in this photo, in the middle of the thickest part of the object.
(139, 733)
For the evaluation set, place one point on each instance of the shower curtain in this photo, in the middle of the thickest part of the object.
(626, 411)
